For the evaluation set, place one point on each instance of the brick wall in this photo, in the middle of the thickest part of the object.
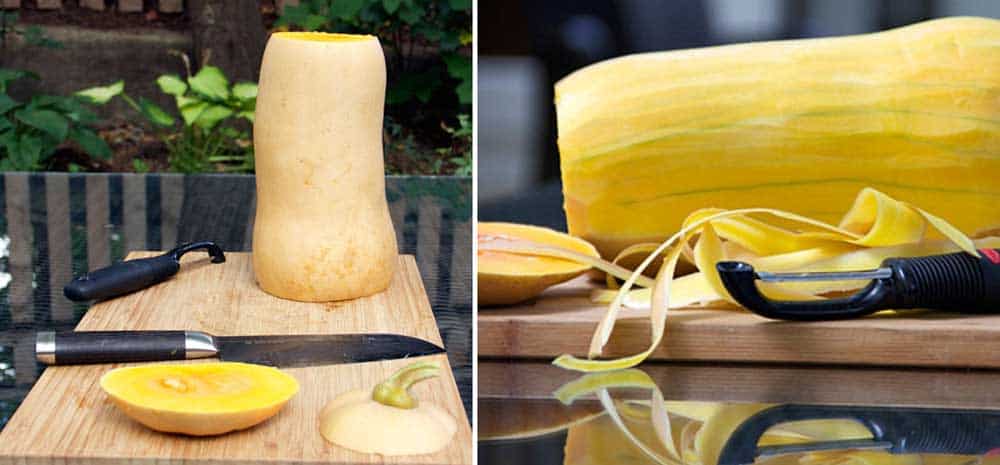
(124, 6)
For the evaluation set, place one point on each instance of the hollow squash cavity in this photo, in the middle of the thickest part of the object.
(199, 399)
(323, 36)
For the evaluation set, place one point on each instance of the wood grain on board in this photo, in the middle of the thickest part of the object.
(563, 319)
(66, 418)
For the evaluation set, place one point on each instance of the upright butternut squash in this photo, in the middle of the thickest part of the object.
(797, 125)
(322, 230)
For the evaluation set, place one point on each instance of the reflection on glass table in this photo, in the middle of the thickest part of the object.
(54, 226)
(532, 413)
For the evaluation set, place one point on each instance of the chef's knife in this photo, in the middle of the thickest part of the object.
(87, 347)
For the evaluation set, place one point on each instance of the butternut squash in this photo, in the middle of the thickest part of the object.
(797, 125)
(506, 278)
(199, 399)
(322, 230)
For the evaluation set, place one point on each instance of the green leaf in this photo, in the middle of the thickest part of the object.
(8, 75)
(210, 83)
(245, 91)
(34, 35)
(460, 67)
(313, 22)
(5, 124)
(212, 115)
(90, 142)
(293, 15)
(346, 9)
(47, 121)
(171, 84)
(460, 5)
(7, 103)
(190, 109)
(101, 95)
(464, 92)
(391, 5)
(29, 151)
(414, 85)
(246, 114)
(154, 113)
(139, 165)
(411, 13)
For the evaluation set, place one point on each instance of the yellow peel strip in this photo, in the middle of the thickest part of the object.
(644, 248)
(599, 383)
(522, 247)
(890, 222)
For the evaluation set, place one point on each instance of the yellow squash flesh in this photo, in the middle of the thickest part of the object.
(322, 230)
(199, 399)
(353, 420)
(507, 278)
(796, 125)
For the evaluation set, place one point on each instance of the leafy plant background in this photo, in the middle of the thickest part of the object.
(428, 56)
(427, 126)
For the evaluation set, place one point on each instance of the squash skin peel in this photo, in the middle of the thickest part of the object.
(890, 222)
(202, 399)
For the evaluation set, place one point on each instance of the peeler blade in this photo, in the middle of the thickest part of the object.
(822, 446)
(881, 273)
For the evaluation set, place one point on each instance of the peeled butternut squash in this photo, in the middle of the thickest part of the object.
(507, 278)
(200, 399)
(797, 125)
(322, 230)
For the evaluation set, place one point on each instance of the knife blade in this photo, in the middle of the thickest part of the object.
(283, 351)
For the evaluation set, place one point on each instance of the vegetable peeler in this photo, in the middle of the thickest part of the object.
(131, 275)
(894, 430)
(955, 282)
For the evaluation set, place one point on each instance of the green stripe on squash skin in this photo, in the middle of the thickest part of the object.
(665, 134)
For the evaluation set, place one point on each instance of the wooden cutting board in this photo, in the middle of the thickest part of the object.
(563, 319)
(66, 418)
(758, 383)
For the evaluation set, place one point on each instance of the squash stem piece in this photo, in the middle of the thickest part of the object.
(395, 391)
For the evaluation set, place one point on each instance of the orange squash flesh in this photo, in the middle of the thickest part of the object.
(199, 399)
(508, 278)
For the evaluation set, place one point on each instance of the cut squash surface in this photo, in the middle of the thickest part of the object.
(506, 277)
(323, 36)
(199, 399)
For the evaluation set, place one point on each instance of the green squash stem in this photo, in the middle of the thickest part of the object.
(395, 391)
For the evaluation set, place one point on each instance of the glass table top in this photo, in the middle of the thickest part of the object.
(57, 225)
(704, 414)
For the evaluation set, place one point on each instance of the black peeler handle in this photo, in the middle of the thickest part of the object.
(898, 430)
(956, 282)
(132, 275)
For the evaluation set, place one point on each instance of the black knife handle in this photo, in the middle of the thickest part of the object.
(956, 282)
(87, 347)
(132, 275)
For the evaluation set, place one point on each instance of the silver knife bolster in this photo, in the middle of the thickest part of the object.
(199, 345)
(45, 347)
